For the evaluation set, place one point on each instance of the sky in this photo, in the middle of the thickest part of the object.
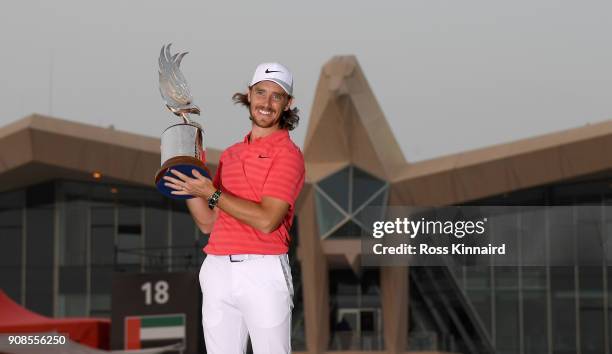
(450, 76)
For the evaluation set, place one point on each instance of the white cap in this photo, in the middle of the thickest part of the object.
(274, 72)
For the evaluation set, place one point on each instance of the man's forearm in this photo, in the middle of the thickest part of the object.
(202, 215)
(252, 213)
(265, 216)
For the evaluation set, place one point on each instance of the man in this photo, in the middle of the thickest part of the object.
(248, 210)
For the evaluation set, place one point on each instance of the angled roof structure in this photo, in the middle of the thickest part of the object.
(37, 148)
(507, 167)
(347, 126)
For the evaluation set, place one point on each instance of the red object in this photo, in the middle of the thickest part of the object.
(132, 333)
(93, 332)
(271, 166)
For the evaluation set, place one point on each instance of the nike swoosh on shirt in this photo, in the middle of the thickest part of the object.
(263, 157)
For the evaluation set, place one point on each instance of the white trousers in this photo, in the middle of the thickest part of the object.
(253, 298)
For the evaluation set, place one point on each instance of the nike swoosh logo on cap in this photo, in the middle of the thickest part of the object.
(272, 71)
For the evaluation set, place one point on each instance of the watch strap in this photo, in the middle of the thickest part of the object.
(214, 199)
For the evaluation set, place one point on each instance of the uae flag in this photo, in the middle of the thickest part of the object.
(154, 331)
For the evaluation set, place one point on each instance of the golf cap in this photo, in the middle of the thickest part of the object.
(274, 72)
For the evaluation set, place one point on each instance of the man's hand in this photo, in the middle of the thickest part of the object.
(199, 186)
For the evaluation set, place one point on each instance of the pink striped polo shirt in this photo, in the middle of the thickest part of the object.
(270, 166)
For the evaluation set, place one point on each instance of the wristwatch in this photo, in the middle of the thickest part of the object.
(214, 199)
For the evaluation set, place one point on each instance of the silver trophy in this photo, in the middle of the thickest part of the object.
(181, 144)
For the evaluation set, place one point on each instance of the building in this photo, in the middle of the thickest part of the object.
(77, 203)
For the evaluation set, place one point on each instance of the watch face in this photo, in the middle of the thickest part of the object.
(214, 199)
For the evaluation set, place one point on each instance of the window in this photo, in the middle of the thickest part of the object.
(348, 202)
(356, 313)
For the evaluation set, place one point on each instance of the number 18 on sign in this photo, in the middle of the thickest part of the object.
(155, 292)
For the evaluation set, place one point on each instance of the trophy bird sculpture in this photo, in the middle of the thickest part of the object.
(173, 86)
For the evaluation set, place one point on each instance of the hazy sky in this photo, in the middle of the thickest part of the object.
(449, 75)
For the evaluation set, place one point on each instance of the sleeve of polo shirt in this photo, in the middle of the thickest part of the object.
(285, 177)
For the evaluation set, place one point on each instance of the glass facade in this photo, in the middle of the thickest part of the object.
(355, 310)
(526, 309)
(63, 240)
(482, 309)
(12, 252)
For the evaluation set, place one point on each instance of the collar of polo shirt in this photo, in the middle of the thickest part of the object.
(273, 137)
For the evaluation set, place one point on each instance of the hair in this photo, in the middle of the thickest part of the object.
(289, 119)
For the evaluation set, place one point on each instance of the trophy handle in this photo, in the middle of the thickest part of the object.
(200, 152)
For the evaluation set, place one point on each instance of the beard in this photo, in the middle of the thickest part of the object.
(262, 123)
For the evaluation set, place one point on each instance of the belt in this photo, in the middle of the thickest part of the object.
(244, 257)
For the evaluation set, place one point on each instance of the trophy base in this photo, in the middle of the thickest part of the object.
(183, 164)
